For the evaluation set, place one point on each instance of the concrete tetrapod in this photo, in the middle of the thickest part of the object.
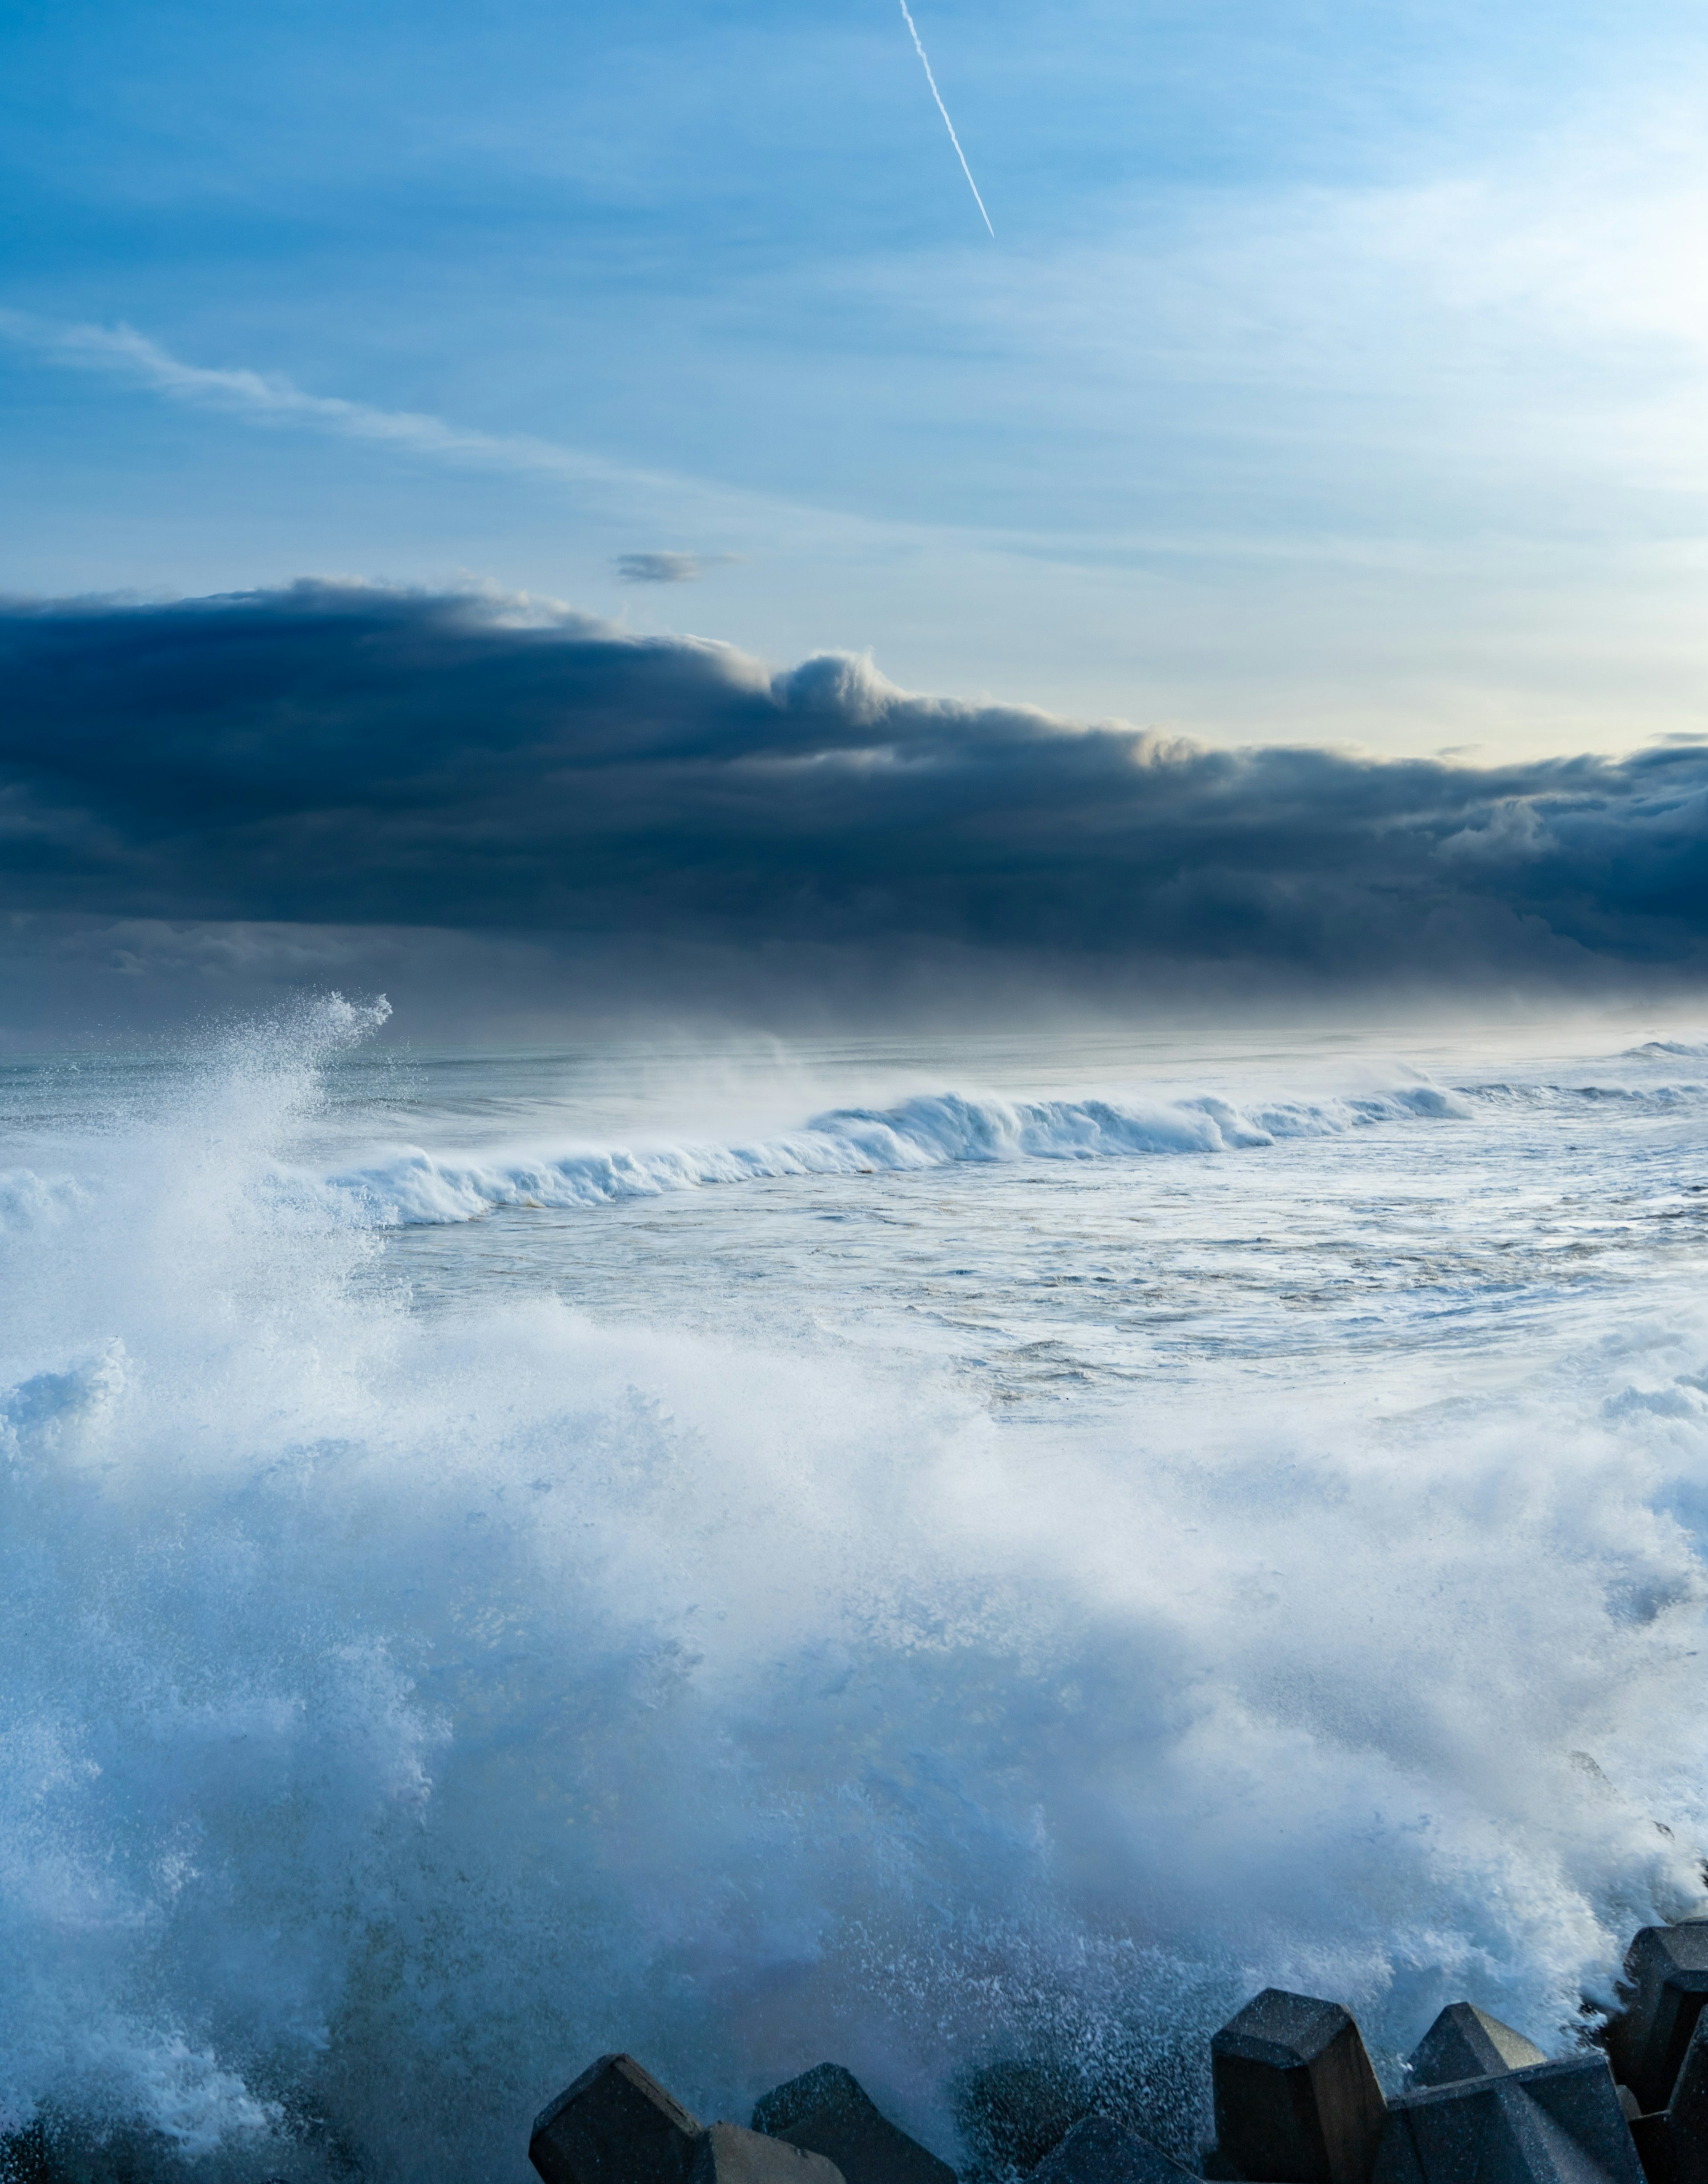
(1098, 2151)
(828, 2111)
(1550, 2123)
(1013, 2113)
(1672, 2145)
(1667, 1966)
(1296, 2099)
(728, 2154)
(1467, 2042)
(616, 2125)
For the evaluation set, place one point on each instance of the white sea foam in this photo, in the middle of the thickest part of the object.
(400, 1707)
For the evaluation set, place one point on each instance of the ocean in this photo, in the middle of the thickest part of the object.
(921, 1552)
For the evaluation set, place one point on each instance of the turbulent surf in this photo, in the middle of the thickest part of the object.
(750, 1556)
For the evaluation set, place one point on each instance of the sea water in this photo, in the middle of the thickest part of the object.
(915, 1553)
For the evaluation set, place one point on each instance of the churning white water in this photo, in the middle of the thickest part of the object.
(897, 1556)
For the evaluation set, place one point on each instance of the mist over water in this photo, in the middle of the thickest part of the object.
(510, 1556)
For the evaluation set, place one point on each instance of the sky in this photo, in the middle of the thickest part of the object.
(1327, 376)
(1335, 370)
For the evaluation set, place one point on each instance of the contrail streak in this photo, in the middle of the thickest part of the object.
(919, 48)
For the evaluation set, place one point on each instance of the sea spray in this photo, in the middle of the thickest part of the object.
(401, 1706)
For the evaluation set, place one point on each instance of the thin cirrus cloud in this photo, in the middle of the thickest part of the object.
(362, 757)
(272, 399)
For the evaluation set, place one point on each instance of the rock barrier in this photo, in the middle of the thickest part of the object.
(1296, 2102)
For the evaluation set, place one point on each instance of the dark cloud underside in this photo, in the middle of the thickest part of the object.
(347, 755)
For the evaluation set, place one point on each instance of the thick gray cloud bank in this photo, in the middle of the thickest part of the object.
(347, 756)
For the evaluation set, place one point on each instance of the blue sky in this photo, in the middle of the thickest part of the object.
(1336, 371)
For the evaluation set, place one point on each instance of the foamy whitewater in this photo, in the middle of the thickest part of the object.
(911, 1554)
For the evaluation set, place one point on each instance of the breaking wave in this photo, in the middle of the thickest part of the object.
(937, 1130)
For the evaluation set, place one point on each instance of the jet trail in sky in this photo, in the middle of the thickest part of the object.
(919, 47)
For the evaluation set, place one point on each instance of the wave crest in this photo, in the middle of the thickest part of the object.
(933, 1130)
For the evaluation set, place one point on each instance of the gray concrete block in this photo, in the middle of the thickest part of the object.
(615, 2124)
(1296, 2099)
(1012, 2114)
(728, 2154)
(1098, 2151)
(1550, 2123)
(1672, 2143)
(1666, 1971)
(1467, 2042)
(1652, 2136)
(828, 2111)
(1687, 2112)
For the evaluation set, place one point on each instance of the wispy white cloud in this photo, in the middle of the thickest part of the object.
(664, 500)
(270, 399)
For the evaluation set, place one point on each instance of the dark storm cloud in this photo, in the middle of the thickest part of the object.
(350, 755)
